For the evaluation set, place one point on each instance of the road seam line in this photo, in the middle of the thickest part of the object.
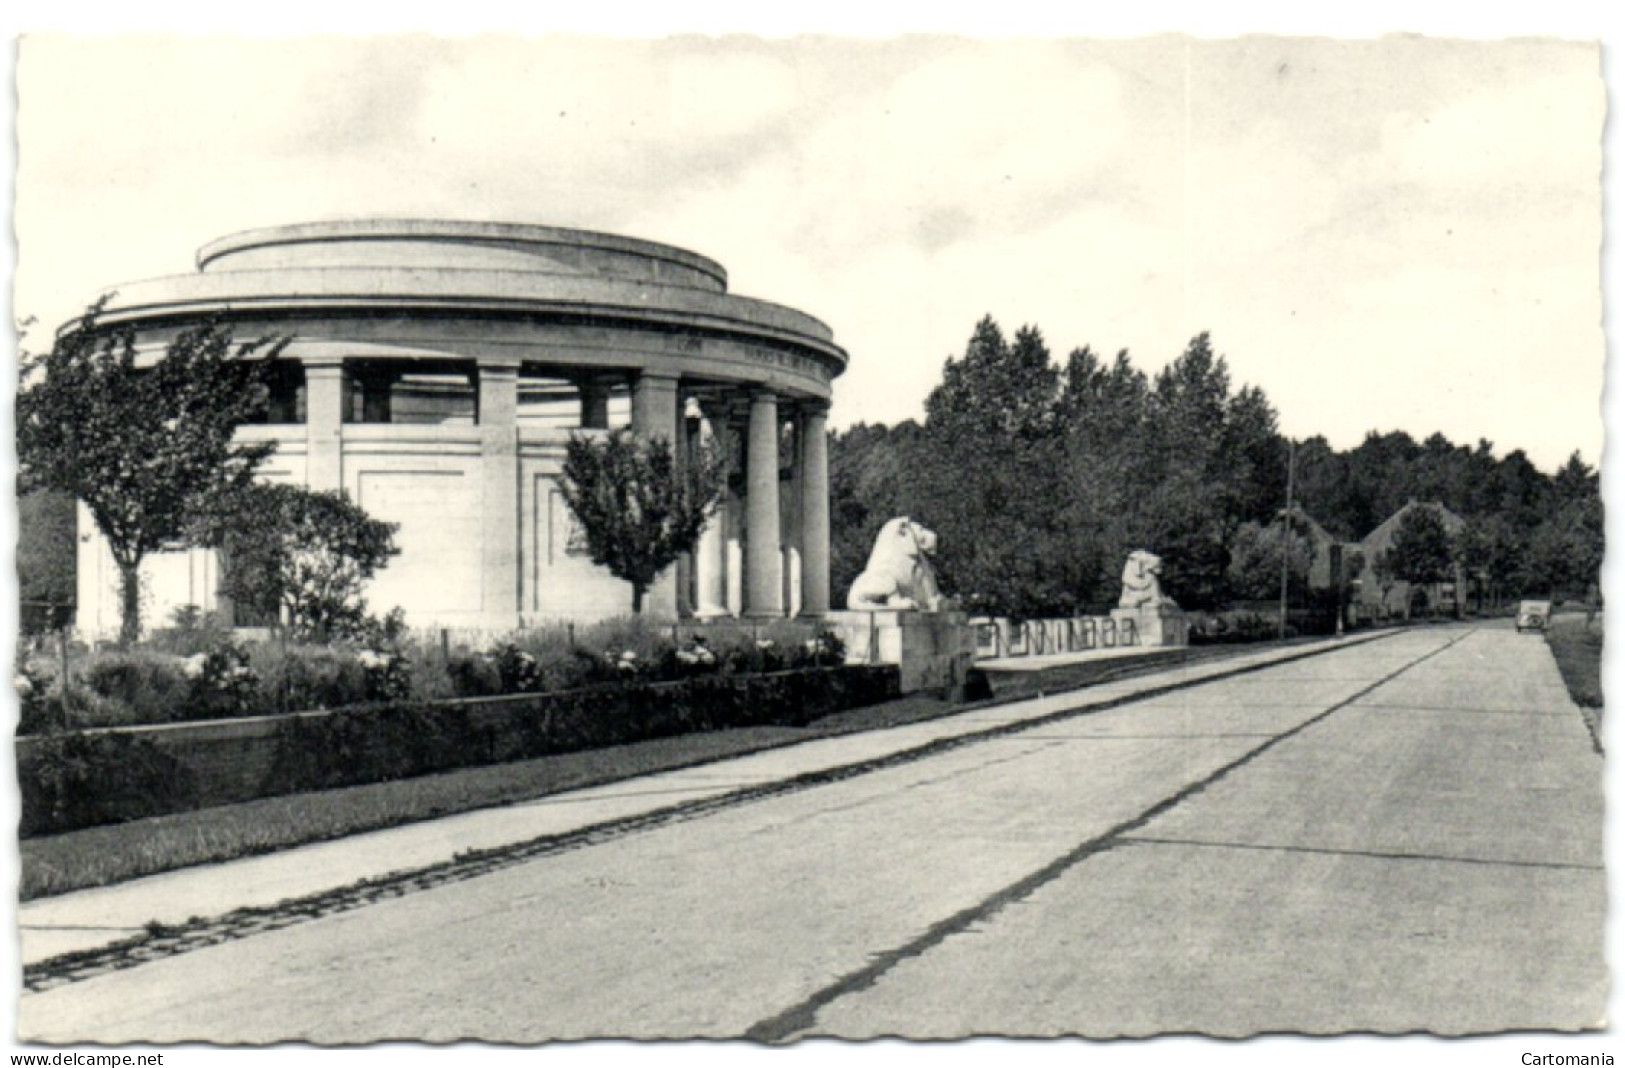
(802, 1016)
(1371, 854)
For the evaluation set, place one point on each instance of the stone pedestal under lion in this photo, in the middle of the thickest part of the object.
(1155, 618)
(895, 613)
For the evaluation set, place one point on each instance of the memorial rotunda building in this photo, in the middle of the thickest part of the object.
(435, 372)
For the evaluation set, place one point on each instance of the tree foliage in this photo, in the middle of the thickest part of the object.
(638, 507)
(140, 440)
(1040, 478)
(47, 568)
(307, 555)
(1256, 552)
(1423, 551)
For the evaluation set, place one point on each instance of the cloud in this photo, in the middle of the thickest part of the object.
(1540, 137)
(900, 189)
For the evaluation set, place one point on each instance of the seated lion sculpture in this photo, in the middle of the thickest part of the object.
(899, 574)
(1142, 582)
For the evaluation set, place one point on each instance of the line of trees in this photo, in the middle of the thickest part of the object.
(1040, 476)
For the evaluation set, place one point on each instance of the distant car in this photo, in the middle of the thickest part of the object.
(1533, 615)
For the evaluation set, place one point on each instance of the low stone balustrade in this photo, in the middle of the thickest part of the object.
(1148, 627)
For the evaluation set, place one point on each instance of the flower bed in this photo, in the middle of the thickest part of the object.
(197, 671)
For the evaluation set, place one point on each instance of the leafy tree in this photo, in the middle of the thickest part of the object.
(1566, 547)
(1493, 555)
(1212, 459)
(1382, 570)
(639, 508)
(47, 565)
(1255, 559)
(870, 475)
(1421, 551)
(996, 388)
(986, 477)
(1321, 484)
(1472, 550)
(308, 554)
(140, 440)
(1103, 410)
(1351, 564)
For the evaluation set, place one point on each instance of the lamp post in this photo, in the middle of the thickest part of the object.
(1286, 532)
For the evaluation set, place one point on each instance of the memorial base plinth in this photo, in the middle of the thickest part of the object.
(932, 650)
(1155, 626)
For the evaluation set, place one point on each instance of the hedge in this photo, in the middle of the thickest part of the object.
(81, 779)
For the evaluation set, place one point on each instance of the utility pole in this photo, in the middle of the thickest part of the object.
(1286, 532)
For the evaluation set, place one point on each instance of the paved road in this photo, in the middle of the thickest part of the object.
(1399, 836)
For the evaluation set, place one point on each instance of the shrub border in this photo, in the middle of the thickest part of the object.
(177, 767)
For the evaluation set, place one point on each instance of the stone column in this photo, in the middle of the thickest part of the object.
(790, 517)
(711, 554)
(814, 479)
(324, 422)
(763, 595)
(685, 561)
(499, 479)
(654, 406)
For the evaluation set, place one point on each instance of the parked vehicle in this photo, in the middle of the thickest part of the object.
(1533, 615)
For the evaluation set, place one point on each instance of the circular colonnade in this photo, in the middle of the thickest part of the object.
(436, 370)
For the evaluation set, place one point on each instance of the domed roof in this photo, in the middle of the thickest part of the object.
(443, 243)
(399, 267)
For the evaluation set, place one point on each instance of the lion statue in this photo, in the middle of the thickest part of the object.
(899, 574)
(1142, 582)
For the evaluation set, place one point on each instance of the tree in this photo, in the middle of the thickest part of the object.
(870, 472)
(1255, 560)
(1565, 552)
(140, 441)
(986, 478)
(1211, 459)
(639, 508)
(1421, 553)
(307, 554)
(47, 567)
(996, 388)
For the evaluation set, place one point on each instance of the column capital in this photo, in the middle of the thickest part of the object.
(498, 365)
(812, 407)
(321, 362)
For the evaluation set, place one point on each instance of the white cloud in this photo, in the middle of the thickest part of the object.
(1341, 210)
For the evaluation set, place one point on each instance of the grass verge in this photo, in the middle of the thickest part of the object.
(99, 856)
(1577, 648)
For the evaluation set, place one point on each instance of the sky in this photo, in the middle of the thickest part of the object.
(1392, 233)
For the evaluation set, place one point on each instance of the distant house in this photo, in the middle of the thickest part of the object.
(1374, 600)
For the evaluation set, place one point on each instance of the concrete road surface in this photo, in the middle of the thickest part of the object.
(1404, 835)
